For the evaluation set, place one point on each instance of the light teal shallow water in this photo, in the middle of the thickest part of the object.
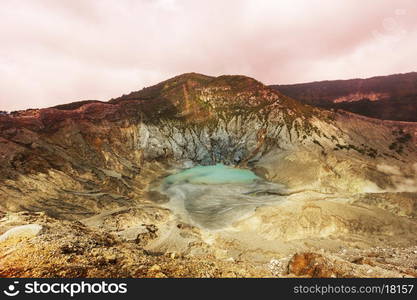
(215, 196)
(216, 174)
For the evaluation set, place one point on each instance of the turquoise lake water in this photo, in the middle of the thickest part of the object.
(215, 196)
(216, 174)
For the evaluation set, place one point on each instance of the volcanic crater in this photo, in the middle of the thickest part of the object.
(202, 176)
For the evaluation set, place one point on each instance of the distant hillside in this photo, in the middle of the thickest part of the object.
(392, 97)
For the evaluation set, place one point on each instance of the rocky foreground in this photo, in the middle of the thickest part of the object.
(85, 176)
(71, 249)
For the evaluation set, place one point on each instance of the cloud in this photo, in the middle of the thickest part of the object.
(58, 51)
(402, 180)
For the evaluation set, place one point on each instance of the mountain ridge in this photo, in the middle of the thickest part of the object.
(391, 97)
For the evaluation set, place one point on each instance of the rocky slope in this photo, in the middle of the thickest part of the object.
(89, 172)
(392, 97)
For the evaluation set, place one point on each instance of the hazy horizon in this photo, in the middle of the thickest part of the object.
(58, 52)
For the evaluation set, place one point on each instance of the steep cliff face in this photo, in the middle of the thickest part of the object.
(93, 161)
(392, 97)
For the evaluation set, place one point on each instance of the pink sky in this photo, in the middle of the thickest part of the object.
(55, 52)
